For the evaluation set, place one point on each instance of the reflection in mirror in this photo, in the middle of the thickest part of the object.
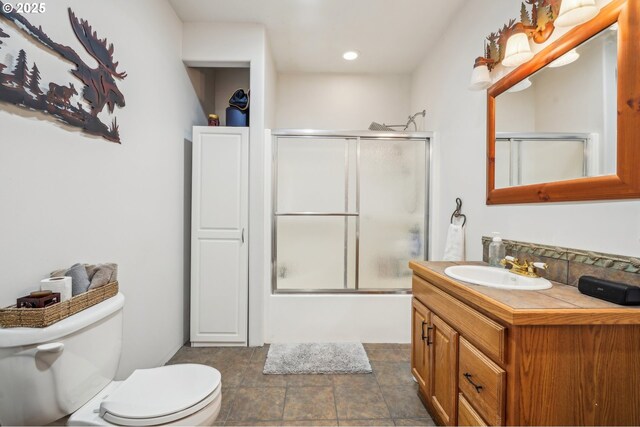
(561, 122)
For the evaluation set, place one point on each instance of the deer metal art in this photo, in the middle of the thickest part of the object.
(100, 87)
(61, 94)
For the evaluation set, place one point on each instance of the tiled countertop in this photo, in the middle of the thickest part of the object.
(561, 304)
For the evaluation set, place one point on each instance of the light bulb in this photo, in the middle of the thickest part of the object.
(565, 59)
(520, 86)
(480, 78)
(518, 50)
(575, 12)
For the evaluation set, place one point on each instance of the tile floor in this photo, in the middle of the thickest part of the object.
(387, 397)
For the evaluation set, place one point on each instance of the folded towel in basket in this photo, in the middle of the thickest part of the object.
(79, 279)
(102, 274)
(95, 276)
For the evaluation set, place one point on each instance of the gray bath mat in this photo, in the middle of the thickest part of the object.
(326, 358)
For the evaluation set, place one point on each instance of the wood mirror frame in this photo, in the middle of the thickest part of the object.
(625, 184)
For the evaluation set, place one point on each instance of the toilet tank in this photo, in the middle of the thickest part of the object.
(48, 373)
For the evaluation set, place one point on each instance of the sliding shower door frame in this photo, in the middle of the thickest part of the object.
(515, 147)
(358, 137)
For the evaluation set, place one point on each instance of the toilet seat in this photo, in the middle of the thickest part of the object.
(161, 395)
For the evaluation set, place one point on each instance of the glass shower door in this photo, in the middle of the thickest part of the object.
(349, 213)
(315, 226)
(392, 211)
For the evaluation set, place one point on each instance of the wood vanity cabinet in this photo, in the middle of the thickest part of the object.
(490, 357)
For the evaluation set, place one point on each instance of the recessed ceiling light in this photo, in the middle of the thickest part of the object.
(350, 55)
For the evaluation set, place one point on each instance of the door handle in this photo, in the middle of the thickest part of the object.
(242, 236)
(427, 335)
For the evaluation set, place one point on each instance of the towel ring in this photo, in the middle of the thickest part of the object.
(457, 213)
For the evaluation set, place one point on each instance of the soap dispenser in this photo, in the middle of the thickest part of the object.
(497, 251)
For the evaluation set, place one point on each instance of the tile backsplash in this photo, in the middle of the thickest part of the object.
(568, 265)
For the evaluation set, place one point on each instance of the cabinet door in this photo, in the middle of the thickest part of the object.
(219, 248)
(420, 356)
(444, 370)
(467, 416)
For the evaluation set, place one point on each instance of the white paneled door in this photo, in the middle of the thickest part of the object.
(219, 239)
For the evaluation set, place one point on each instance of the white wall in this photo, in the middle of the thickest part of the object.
(271, 85)
(223, 44)
(458, 115)
(67, 197)
(341, 101)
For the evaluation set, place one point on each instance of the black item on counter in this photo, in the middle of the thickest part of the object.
(618, 293)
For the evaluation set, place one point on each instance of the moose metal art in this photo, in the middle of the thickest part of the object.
(22, 86)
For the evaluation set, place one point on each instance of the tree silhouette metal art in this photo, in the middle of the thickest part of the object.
(22, 87)
(538, 25)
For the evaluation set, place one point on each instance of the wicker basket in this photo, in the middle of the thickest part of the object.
(12, 317)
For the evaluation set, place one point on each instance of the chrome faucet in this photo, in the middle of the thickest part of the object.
(526, 268)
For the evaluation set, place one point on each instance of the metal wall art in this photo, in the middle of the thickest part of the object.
(20, 83)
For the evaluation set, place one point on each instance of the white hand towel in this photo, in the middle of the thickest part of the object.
(454, 248)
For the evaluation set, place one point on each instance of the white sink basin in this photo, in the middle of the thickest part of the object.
(494, 277)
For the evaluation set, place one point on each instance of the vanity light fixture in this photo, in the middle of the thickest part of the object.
(480, 78)
(576, 12)
(518, 51)
(519, 87)
(510, 45)
(565, 59)
(350, 55)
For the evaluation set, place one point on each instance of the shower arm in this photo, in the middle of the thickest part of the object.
(412, 119)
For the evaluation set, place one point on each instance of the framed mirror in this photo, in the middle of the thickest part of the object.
(565, 126)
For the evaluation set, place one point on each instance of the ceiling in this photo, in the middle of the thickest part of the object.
(392, 36)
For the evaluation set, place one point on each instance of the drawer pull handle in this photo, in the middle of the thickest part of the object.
(423, 323)
(468, 377)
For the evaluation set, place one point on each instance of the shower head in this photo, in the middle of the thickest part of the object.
(412, 119)
(385, 128)
(380, 127)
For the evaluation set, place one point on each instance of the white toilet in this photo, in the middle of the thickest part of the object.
(68, 368)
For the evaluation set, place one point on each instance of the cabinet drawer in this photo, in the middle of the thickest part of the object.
(486, 333)
(482, 382)
(467, 416)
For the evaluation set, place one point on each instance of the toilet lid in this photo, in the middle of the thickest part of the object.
(162, 394)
